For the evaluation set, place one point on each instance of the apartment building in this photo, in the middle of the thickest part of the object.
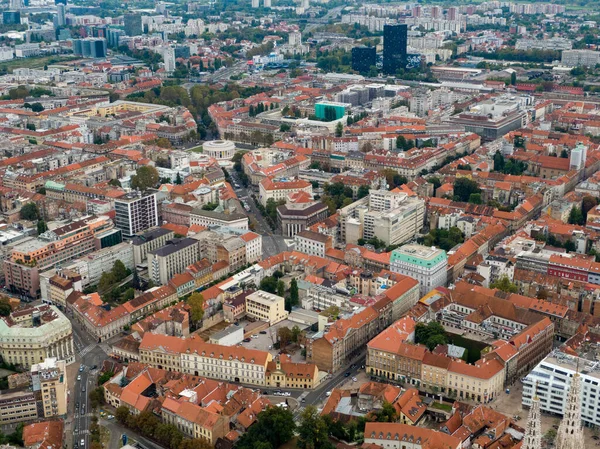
(428, 265)
(136, 212)
(264, 306)
(93, 265)
(171, 259)
(405, 436)
(18, 406)
(30, 336)
(149, 241)
(50, 379)
(392, 217)
(58, 246)
(312, 243)
(281, 189)
(193, 356)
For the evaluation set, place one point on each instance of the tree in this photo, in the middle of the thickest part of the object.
(16, 437)
(96, 397)
(435, 181)
(119, 271)
(576, 216)
(145, 177)
(284, 336)
(475, 198)
(564, 154)
(268, 284)
(387, 413)
(30, 212)
(5, 308)
(280, 288)
(431, 334)
(296, 332)
(513, 78)
(550, 435)
(339, 129)
(196, 303)
(178, 179)
(363, 191)
(105, 377)
(41, 227)
(312, 430)
(106, 282)
(294, 296)
(37, 107)
(464, 187)
(504, 284)
(274, 426)
(114, 183)
(587, 204)
(498, 161)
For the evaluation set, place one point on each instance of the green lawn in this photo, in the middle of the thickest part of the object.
(440, 406)
(197, 149)
(34, 63)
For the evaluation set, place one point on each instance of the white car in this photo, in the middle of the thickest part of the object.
(78, 377)
(354, 379)
(328, 394)
(287, 393)
(82, 443)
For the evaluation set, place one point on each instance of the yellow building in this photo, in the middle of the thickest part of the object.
(266, 306)
(51, 379)
(481, 382)
(282, 373)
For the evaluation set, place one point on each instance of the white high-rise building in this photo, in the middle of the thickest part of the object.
(267, 3)
(255, 3)
(295, 38)
(168, 54)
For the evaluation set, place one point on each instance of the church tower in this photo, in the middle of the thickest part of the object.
(570, 432)
(533, 430)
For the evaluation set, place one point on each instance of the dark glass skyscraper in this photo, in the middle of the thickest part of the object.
(133, 24)
(363, 58)
(394, 47)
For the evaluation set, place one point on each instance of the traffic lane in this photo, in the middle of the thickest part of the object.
(319, 394)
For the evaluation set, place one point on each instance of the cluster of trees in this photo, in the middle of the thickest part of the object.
(375, 242)
(198, 100)
(467, 190)
(334, 61)
(511, 54)
(237, 166)
(259, 109)
(508, 167)
(430, 335)
(393, 178)
(285, 335)
(35, 107)
(30, 212)
(196, 303)
(442, 238)
(551, 240)
(97, 394)
(337, 195)
(149, 426)
(145, 177)
(5, 308)
(15, 438)
(274, 284)
(403, 144)
(576, 216)
(355, 118)
(270, 211)
(108, 286)
(504, 284)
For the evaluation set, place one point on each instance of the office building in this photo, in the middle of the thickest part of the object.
(32, 335)
(114, 36)
(17, 406)
(61, 19)
(91, 47)
(11, 17)
(149, 241)
(363, 58)
(135, 213)
(312, 243)
(427, 265)
(50, 379)
(133, 24)
(168, 54)
(266, 307)
(172, 259)
(395, 41)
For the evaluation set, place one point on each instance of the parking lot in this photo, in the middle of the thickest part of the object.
(264, 341)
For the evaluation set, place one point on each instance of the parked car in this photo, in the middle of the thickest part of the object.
(347, 374)
(78, 377)
(263, 332)
(247, 340)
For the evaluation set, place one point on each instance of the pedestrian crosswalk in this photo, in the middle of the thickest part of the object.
(87, 349)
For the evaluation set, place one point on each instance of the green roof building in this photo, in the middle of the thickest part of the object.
(425, 264)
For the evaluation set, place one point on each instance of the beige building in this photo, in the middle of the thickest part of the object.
(17, 406)
(193, 356)
(149, 241)
(266, 306)
(172, 259)
(50, 379)
(32, 335)
(481, 382)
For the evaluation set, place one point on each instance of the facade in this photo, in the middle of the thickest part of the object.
(172, 259)
(210, 217)
(363, 58)
(18, 406)
(136, 212)
(32, 335)
(149, 241)
(580, 58)
(91, 47)
(426, 265)
(50, 379)
(266, 306)
(286, 374)
(312, 243)
(221, 150)
(405, 436)
(293, 218)
(395, 41)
